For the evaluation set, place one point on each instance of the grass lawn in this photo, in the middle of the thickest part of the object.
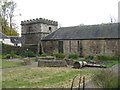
(32, 59)
(10, 64)
(108, 65)
(45, 77)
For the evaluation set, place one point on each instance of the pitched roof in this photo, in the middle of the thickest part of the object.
(85, 32)
(14, 39)
(2, 35)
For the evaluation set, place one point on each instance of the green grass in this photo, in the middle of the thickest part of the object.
(10, 64)
(108, 65)
(42, 77)
(33, 59)
(111, 81)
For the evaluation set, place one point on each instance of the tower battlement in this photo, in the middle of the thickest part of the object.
(39, 20)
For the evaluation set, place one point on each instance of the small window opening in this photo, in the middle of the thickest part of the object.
(50, 29)
(29, 29)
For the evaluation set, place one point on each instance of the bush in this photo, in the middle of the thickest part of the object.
(103, 57)
(59, 55)
(28, 53)
(43, 55)
(17, 56)
(86, 57)
(91, 57)
(106, 79)
(73, 56)
(8, 56)
(8, 49)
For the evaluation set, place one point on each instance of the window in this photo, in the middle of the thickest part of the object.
(60, 47)
(29, 29)
(78, 46)
(50, 29)
(69, 46)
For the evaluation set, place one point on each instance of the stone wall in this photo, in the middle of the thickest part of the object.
(34, 30)
(52, 63)
(50, 47)
(84, 47)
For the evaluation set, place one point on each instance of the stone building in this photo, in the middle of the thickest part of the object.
(84, 40)
(34, 30)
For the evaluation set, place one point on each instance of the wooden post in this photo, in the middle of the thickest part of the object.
(73, 82)
(84, 83)
(79, 82)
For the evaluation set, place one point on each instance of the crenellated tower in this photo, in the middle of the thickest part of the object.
(34, 30)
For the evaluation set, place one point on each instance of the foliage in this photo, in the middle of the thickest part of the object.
(8, 56)
(28, 53)
(41, 77)
(7, 9)
(106, 79)
(73, 56)
(10, 32)
(59, 55)
(43, 55)
(86, 57)
(103, 57)
(91, 57)
(7, 49)
(10, 64)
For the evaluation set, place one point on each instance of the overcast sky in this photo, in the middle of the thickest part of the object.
(68, 12)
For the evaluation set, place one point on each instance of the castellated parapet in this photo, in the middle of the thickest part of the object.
(33, 30)
(39, 20)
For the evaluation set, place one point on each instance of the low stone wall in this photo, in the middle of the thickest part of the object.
(70, 62)
(52, 63)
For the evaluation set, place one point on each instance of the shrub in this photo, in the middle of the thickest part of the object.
(91, 57)
(28, 53)
(106, 79)
(8, 56)
(86, 57)
(59, 55)
(43, 55)
(17, 56)
(73, 56)
(103, 57)
(8, 49)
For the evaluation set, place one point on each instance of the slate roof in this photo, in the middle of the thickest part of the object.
(100, 31)
(3, 36)
(13, 39)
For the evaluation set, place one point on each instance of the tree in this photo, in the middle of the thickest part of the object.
(7, 9)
